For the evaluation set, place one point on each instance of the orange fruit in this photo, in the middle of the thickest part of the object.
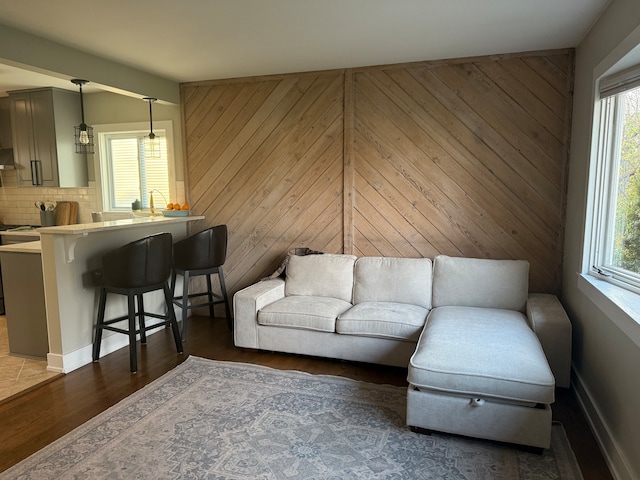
(169, 206)
(185, 206)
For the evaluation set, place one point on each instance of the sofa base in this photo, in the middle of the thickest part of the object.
(479, 418)
(382, 351)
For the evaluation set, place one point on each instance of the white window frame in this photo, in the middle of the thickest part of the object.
(608, 117)
(101, 165)
(620, 305)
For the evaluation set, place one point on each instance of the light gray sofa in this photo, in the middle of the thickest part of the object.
(310, 312)
(483, 355)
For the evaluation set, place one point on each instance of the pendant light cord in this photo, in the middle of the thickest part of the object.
(150, 100)
(80, 83)
(82, 107)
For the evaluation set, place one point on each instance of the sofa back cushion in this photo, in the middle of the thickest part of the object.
(475, 282)
(327, 275)
(398, 280)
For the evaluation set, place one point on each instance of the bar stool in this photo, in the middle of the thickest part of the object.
(132, 270)
(203, 253)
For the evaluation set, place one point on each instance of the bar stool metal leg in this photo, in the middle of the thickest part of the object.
(172, 286)
(225, 297)
(98, 335)
(168, 298)
(143, 332)
(133, 353)
(210, 295)
(185, 304)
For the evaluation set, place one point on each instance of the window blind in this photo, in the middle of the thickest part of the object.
(125, 171)
(132, 174)
(620, 82)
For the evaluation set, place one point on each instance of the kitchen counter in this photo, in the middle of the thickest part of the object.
(21, 233)
(72, 234)
(25, 247)
(87, 228)
(69, 254)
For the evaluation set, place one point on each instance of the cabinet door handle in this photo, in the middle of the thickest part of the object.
(36, 172)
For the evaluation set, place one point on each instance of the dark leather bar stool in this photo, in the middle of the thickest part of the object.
(132, 270)
(203, 253)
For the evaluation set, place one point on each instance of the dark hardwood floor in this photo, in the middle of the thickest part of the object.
(36, 418)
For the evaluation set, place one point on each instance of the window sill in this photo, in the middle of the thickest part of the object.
(620, 305)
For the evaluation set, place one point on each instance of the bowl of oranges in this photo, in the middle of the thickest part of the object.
(176, 210)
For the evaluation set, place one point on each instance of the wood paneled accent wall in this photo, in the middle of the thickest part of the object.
(462, 157)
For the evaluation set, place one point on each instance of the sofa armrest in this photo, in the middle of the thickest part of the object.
(548, 319)
(246, 304)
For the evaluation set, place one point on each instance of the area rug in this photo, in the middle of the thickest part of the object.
(217, 420)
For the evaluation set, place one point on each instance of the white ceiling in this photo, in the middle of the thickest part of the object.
(193, 40)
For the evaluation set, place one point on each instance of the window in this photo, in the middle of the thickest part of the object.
(128, 172)
(615, 242)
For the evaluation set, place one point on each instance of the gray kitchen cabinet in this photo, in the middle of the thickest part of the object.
(42, 122)
(6, 141)
(24, 302)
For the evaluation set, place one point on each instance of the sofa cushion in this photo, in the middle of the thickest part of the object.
(386, 279)
(482, 352)
(327, 275)
(477, 282)
(306, 312)
(399, 321)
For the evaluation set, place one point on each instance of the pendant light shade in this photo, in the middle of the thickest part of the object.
(83, 133)
(151, 142)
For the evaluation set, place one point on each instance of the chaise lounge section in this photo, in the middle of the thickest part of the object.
(479, 368)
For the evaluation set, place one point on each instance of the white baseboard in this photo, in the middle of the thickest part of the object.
(616, 460)
(83, 356)
(54, 363)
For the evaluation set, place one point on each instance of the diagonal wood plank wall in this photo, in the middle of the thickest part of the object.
(462, 157)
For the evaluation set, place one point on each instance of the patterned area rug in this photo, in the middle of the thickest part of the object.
(207, 419)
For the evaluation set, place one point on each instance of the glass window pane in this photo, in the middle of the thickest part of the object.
(132, 174)
(124, 171)
(626, 242)
(156, 175)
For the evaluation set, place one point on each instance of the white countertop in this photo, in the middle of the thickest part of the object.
(83, 229)
(24, 247)
(21, 233)
(87, 228)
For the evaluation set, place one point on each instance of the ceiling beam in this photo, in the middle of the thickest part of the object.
(30, 52)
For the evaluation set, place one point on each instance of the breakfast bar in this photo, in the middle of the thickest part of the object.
(70, 253)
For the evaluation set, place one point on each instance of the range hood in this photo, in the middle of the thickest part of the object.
(6, 159)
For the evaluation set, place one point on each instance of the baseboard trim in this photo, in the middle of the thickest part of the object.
(54, 363)
(617, 462)
(83, 356)
(69, 362)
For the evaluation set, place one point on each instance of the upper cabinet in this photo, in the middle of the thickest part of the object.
(5, 124)
(42, 123)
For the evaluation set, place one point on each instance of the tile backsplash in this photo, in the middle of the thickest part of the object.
(17, 204)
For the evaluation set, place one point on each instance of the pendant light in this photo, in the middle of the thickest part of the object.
(83, 133)
(151, 142)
